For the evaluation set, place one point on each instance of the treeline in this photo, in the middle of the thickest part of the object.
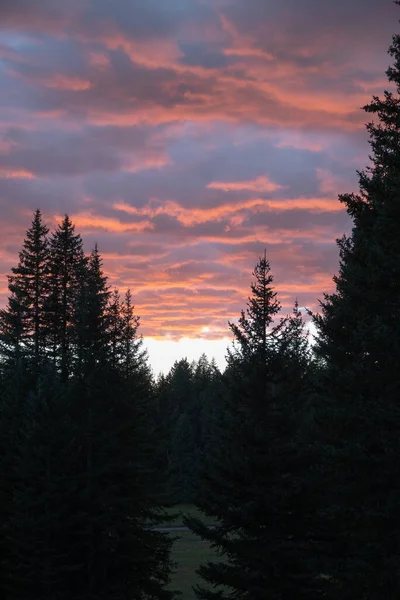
(293, 452)
(80, 449)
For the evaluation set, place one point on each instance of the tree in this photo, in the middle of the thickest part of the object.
(14, 387)
(132, 354)
(22, 322)
(115, 328)
(176, 404)
(255, 483)
(40, 561)
(91, 317)
(359, 344)
(80, 498)
(66, 276)
(120, 552)
(207, 384)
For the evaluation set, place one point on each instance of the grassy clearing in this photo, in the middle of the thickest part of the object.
(189, 551)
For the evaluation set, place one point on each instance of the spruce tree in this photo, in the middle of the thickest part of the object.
(186, 400)
(254, 484)
(91, 317)
(359, 346)
(22, 323)
(16, 383)
(66, 276)
(182, 449)
(133, 356)
(41, 562)
(80, 498)
(120, 552)
(115, 325)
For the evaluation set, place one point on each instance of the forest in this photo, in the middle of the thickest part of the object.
(292, 453)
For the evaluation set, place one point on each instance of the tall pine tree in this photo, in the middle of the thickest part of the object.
(91, 317)
(254, 484)
(66, 277)
(79, 503)
(359, 345)
(22, 323)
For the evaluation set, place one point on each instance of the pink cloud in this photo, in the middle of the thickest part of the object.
(65, 82)
(259, 184)
(89, 221)
(155, 128)
(16, 174)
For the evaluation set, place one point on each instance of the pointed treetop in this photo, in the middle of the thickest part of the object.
(252, 331)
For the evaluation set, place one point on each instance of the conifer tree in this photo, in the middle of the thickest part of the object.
(66, 276)
(359, 346)
(133, 357)
(80, 497)
(14, 387)
(181, 448)
(40, 561)
(186, 400)
(91, 317)
(22, 327)
(115, 328)
(254, 483)
(122, 555)
(127, 354)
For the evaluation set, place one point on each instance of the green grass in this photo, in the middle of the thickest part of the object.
(188, 552)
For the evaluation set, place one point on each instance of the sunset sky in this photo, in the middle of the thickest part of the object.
(185, 136)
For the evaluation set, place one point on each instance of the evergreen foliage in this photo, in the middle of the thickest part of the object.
(255, 481)
(67, 264)
(359, 344)
(80, 496)
(92, 321)
(22, 322)
(187, 398)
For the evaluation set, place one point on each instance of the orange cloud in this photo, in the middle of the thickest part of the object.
(152, 54)
(300, 142)
(260, 184)
(89, 221)
(156, 161)
(192, 216)
(67, 82)
(16, 174)
(99, 60)
(309, 204)
(189, 216)
(178, 85)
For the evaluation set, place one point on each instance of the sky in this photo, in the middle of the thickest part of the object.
(185, 137)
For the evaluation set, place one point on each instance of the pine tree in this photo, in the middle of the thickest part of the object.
(178, 406)
(15, 385)
(207, 390)
(40, 562)
(359, 345)
(22, 328)
(66, 276)
(120, 552)
(255, 483)
(115, 324)
(91, 317)
(133, 357)
(80, 498)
